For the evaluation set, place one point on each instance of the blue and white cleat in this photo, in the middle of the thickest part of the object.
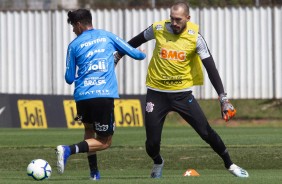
(238, 171)
(63, 153)
(157, 170)
(95, 175)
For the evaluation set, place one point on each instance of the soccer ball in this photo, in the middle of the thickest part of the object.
(39, 169)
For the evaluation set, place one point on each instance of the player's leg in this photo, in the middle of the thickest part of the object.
(101, 112)
(84, 111)
(91, 156)
(103, 118)
(63, 151)
(156, 111)
(187, 106)
(90, 145)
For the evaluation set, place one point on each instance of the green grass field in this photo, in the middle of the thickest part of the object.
(257, 149)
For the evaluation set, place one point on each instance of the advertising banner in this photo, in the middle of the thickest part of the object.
(5, 114)
(55, 111)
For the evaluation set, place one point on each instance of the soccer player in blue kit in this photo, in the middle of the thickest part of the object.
(90, 65)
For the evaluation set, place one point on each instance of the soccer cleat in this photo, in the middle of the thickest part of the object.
(157, 170)
(63, 153)
(238, 171)
(95, 175)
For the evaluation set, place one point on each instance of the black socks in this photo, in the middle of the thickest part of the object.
(226, 159)
(81, 147)
(92, 161)
(158, 159)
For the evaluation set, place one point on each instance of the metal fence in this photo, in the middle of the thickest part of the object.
(246, 44)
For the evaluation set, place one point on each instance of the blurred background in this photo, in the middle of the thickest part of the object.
(93, 4)
(244, 37)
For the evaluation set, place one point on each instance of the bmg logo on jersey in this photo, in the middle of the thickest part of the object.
(172, 54)
(32, 114)
(98, 65)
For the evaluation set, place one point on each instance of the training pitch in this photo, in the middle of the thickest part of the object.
(256, 149)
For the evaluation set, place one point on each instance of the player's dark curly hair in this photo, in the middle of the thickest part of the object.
(81, 15)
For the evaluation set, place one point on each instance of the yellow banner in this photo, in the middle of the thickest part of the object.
(128, 113)
(32, 114)
(70, 113)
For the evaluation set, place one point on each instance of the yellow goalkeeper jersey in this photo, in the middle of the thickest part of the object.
(175, 65)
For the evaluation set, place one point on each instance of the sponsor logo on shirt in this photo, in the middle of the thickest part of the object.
(173, 54)
(159, 27)
(91, 53)
(103, 92)
(87, 44)
(191, 32)
(94, 82)
(99, 65)
(172, 82)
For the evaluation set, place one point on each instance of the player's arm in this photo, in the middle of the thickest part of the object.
(227, 109)
(207, 59)
(127, 49)
(213, 74)
(136, 41)
(70, 66)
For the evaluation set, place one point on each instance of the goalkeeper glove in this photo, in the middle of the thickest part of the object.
(227, 109)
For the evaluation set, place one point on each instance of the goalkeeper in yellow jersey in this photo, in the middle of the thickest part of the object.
(176, 66)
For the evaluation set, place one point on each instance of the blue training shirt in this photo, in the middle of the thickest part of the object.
(91, 53)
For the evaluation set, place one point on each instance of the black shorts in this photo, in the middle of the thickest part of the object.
(159, 104)
(99, 112)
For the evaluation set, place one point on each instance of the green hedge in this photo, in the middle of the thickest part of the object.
(258, 111)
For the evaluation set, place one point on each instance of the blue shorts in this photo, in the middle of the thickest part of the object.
(99, 112)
